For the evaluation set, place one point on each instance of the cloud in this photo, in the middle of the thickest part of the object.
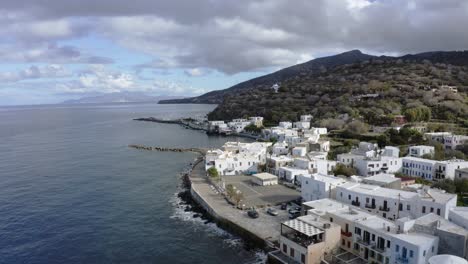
(35, 72)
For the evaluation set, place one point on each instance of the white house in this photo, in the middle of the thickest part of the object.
(291, 174)
(371, 239)
(238, 125)
(453, 141)
(306, 240)
(318, 186)
(446, 169)
(299, 151)
(306, 118)
(369, 161)
(256, 121)
(419, 151)
(302, 124)
(264, 179)
(418, 167)
(280, 148)
(394, 204)
(285, 124)
(237, 158)
(459, 216)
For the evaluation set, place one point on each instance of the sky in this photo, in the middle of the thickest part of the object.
(54, 50)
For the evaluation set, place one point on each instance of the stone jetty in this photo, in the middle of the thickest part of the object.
(155, 148)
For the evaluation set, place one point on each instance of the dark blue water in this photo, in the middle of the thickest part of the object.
(71, 191)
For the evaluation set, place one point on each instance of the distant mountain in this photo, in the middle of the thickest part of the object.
(459, 58)
(123, 97)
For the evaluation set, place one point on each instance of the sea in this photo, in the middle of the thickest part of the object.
(72, 191)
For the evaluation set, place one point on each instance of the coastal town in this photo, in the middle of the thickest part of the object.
(372, 204)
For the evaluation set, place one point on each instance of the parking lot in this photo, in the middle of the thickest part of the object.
(261, 196)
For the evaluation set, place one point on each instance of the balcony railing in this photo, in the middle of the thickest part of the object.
(385, 209)
(346, 234)
(401, 259)
(363, 242)
(370, 206)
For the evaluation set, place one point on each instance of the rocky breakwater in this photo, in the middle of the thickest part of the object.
(155, 148)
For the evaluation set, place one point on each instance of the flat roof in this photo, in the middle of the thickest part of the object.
(265, 176)
(384, 178)
(308, 225)
(441, 223)
(294, 169)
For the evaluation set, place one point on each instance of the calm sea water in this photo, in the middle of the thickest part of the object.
(71, 191)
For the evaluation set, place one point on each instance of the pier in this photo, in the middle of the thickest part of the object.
(156, 148)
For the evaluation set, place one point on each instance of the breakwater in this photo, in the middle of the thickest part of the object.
(185, 122)
(156, 148)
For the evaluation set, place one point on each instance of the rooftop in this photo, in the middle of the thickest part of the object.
(265, 176)
(384, 178)
(308, 225)
(441, 223)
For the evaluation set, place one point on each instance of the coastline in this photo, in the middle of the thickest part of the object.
(202, 208)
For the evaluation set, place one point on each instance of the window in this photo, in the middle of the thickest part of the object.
(424, 253)
(285, 248)
(349, 196)
(400, 207)
(438, 211)
(357, 230)
(388, 243)
(331, 219)
(373, 237)
(432, 209)
(291, 252)
(397, 248)
(341, 194)
(424, 209)
(432, 249)
(356, 246)
(411, 253)
(349, 244)
(408, 207)
(302, 258)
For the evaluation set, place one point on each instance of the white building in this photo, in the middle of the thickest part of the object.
(306, 118)
(459, 216)
(437, 136)
(319, 186)
(280, 148)
(285, 124)
(237, 158)
(264, 179)
(302, 124)
(453, 141)
(394, 204)
(372, 239)
(461, 173)
(213, 125)
(418, 167)
(238, 125)
(419, 151)
(446, 169)
(306, 240)
(275, 162)
(299, 151)
(370, 161)
(256, 121)
(291, 174)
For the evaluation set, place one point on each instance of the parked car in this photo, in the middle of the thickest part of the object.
(293, 214)
(294, 208)
(252, 213)
(272, 211)
(284, 206)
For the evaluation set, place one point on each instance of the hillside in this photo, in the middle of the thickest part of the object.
(216, 97)
(373, 90)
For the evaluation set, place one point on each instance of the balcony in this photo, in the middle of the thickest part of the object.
(355, 203)
(365, 243)
(401, 259)
(370, 206)
(346, 234)
(383, 208)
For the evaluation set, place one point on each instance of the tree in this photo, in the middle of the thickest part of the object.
(238, 197)
(446, 185)
(357, 127)
(342, 169)
(230, 190)
(213, 172)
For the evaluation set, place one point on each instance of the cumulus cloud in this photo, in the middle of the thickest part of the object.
(200, 37)
(35, 72)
